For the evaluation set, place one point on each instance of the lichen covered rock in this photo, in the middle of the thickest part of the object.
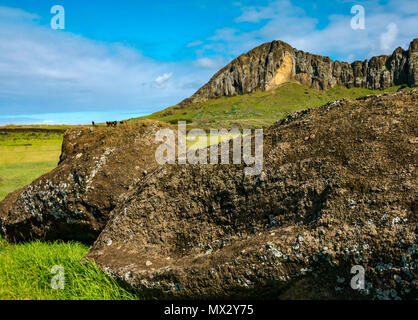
(338, 190)
(73, 201)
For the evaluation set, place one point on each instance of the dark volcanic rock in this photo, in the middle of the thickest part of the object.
(73, 201)
(338, 189)
(413, 63)
(267, 66)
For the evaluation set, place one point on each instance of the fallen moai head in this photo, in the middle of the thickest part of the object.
(338, 194)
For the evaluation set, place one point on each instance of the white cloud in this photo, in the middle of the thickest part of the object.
(194, 43)
(389, 37)
(44, 70)
(8, 13)
(225, 34)
(275, 9)
(210, 63)
(282, 20)
(254, 14)
(350, 58)
(160, 81)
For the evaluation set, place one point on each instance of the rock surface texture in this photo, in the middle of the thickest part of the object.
(73, 201)
(338, 190)
(260, 68)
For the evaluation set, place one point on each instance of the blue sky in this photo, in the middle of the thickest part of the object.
(118, 59)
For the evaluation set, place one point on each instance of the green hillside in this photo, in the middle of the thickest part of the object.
(258, 108)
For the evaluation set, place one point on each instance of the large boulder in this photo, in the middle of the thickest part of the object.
(338, 190)
(73, 201)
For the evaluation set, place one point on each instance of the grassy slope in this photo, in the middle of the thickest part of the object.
(25, 273)
(258, 108)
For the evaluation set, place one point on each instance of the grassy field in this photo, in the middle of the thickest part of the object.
(24, 156)
(38, 126)
(258, 108)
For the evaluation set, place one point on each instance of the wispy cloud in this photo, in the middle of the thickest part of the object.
(389, 37)
(210, 63)
(16, 14)
(387, 26)
(194, 43)
(44, 70)
(161, 80)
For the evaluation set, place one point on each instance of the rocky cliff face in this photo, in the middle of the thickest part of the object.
(274, 63)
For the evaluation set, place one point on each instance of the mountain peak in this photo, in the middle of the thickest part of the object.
(273, 63)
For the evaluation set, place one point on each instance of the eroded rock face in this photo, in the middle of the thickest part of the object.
(284, 74)
(74, 200)
(413, 63)
(338, 189)
(257, 70)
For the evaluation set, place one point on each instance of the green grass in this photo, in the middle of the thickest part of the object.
(25, 273)
(24, 156)
(25, 269)
(19, 138)
(38, 126)
(202, 141)
(258, 108)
